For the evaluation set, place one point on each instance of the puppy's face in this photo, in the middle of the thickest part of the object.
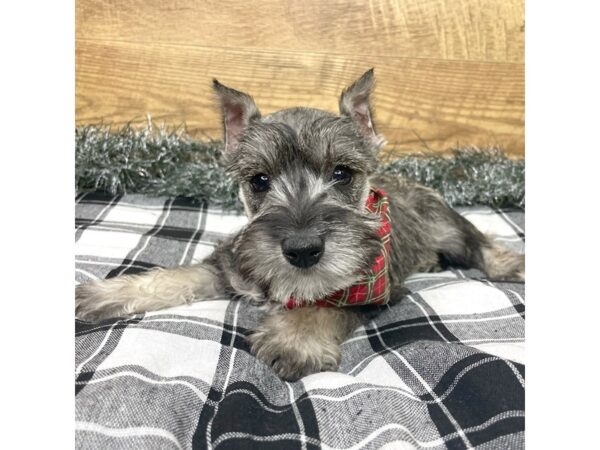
(303, 176)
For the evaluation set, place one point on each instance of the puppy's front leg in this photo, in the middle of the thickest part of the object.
(302, 341)
(148, 291)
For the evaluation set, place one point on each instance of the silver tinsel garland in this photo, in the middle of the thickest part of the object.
(158, 161)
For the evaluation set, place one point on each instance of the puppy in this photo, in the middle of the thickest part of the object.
(324, 234)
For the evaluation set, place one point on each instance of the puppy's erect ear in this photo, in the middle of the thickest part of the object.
(238, 110)
(355, 103)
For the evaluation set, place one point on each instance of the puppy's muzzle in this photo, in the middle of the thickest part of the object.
(303, 251)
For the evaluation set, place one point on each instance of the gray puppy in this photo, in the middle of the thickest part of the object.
(305, 176)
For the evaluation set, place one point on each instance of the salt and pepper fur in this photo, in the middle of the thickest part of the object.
(298, 149)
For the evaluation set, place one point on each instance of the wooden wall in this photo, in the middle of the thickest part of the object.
(449, 72)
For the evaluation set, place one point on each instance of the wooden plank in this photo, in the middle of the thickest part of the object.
(475, 30)
(420, 103)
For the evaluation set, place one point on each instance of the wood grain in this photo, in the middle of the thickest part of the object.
(419, 103)
(475, 30)
(449, 72)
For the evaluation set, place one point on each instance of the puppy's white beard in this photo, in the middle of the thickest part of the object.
(311, 289)
(331, 274)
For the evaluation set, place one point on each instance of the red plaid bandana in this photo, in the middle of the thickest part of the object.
(374, 287)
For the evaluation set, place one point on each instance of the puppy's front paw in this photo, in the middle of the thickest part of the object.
(97, 301)
(294, 356)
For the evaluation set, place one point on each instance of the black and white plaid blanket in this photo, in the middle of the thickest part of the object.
(442, 368)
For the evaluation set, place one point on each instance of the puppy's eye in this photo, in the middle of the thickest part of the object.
(341, 175)
(260, 182)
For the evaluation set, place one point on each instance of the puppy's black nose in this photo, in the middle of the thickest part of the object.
(303, 251)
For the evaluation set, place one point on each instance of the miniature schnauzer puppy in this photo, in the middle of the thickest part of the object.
(304, 177)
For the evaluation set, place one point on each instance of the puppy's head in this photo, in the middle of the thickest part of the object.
(303, 176)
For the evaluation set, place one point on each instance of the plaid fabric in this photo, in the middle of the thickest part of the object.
(442, 368)
(374, 287)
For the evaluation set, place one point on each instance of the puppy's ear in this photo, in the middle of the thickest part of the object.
(355, 102)
(238, 110)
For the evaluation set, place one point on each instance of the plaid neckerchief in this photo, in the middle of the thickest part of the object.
(374, 287)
